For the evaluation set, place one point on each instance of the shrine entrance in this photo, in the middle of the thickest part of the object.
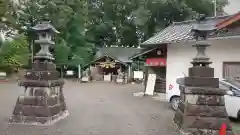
(108, 65)
(107, 68)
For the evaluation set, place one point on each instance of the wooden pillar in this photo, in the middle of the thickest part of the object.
(120, 67)
(129, 70)
(79, 71)
(138, 64)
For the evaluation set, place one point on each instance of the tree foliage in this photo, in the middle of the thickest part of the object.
(61, 53)
(3, 8)
(137, 20)
(87, 24)
(68, 16)
(7, 21)
(14, 53)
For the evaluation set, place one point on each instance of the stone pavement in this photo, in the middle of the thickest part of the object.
(95, 109)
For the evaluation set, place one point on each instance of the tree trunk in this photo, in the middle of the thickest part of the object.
(61, 71)
(30, 49)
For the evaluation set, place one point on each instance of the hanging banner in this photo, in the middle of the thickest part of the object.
(70, 72)
(161, 62)
(107, 65)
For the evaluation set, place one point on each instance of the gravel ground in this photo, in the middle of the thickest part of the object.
(95, 109)
(236, 126)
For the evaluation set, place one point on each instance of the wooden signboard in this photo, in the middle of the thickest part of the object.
(107, 78)
(138, 74)
(85, 79)
(150, 84)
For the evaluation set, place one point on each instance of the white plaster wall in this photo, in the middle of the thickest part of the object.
(179, 57)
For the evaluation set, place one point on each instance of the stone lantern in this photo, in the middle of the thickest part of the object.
(44, 34)
(42, 102)
(201, 110)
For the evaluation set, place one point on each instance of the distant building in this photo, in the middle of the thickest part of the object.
(112, 60)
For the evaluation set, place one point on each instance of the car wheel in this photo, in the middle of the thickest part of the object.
(174, 103)
(238, 115)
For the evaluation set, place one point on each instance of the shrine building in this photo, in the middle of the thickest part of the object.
(111, 61)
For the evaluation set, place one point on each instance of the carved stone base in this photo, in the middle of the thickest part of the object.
(31, 120)
(39, 106)
(201, 111)
(203, 132)
(200, 131)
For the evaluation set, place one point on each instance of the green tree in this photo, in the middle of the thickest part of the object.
(85, 24)
(7, 22)
(207, 6)
(3, 8)
(68, 16)
(137, 20)
(61, 53)
(14, 54)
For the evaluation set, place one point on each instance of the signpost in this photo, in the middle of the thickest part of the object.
(150, 84)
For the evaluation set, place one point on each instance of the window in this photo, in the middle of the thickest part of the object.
(236, 92)
(231, 70)
(224, 86)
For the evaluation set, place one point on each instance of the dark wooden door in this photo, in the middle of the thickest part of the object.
(160, 85)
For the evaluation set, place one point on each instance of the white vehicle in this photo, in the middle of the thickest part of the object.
(232, 98)
(173, 93)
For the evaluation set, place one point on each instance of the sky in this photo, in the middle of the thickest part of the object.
(233, 7)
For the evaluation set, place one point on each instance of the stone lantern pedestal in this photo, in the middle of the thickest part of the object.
(202, 108)
(43, 101)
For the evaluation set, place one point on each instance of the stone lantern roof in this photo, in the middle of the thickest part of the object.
(44, 31)
(201, 29)
(45, 26)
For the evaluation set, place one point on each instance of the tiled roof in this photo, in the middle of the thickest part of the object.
(229, 21)
(44, 26)
(120, 53)
(179, 31)
(143, 51)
